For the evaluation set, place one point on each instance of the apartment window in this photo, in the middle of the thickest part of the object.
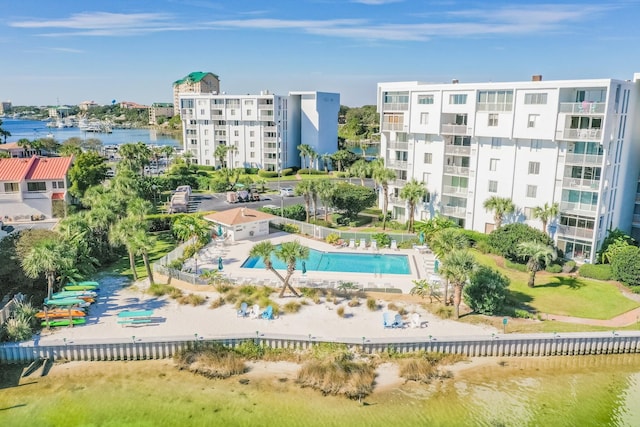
(535, 98)
(236, 133)
(493, 120)
(252, 154)
(493, 164)
(36, 186)
(426, 177)
(532, 190)
(202, 112)
(252, 133)
(249, 112)
(428, 158)
(496, 143)
(252, 144)
(248, 102)
(57, 184)
(206, 142)
(534, 168)
(424, 118)
(11, 187)
(425, 99)
(460, 98)
(535, 145)
(493, 186)
(207, 162)
(495, 100)
(528, 213)
(232, 112)
(533, 119)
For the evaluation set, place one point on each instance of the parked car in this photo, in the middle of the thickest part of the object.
(287, 192)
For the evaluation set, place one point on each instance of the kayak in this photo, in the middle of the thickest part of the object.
(82, 287)
(64, 322)
(61, 313)
(66, 302)
(73, 294)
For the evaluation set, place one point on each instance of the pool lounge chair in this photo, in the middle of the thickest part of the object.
(397, 322)
(363, 244)
(386, 320)
(415, 321)
(374, 245)
(268, 313)
(394, 245)
(352, 243)
(255, 312)
(243, 310)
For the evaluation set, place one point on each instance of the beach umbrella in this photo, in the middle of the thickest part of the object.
(304, 267)
(422, 237)
(220, 263)
(436, 266)
(220, 230)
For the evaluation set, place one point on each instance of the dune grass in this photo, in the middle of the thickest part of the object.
(563, 294)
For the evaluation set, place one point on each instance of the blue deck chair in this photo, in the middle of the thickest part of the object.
(268, 313)
(386, 320)
(397, 322)
(243, 310)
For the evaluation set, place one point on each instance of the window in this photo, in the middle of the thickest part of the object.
(252, 144)
(36, 186)
(458, 99)
(534, 168)
(493, 120)
(424, 118)
(249, 112)
(206, 142)
(11, 187)
(57, 184)
(206, 152)
(532, 190)
(426, 176)
(425, 99)
(236, 133)
(495, 100)
(202, 112)
(535, 145)
(528, 213)
(428, 158)
(533, 118)
(248, 102)
(496, 143)
(535, 98)
(252, 133)
(207, 162)
(493, 164)
(493, 186)
(252, 154)
(232, 112)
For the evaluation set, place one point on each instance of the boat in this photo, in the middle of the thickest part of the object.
(74, 294)
(64, 322)
(60, 313)
(83, 286)
(66, 302)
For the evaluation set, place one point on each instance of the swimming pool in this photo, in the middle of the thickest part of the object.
(342, 262)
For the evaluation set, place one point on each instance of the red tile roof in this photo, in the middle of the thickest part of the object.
(57, 196)
(35, 168)
(238, 216)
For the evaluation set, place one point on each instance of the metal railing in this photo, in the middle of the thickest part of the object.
(448, 189)
(456, 170)
(396, 145)
(452, 129)
(397, 164)
(460, 150)
(588, 184)
(585, 107)
(395, 106)
(582, 207)
(456, 211)
(583, 134)
(568, 231)
(392, 126)
(494, 106)
(587, 159)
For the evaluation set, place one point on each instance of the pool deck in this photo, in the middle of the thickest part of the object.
(234, 255)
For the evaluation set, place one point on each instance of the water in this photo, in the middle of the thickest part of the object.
(35, 129)
(342, 262)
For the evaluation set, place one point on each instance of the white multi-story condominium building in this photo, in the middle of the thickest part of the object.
(262, 131)
(571, 142)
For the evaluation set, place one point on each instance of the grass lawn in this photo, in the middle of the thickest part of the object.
(564, 295)
(165, 243)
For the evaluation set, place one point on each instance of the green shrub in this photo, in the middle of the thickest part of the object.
(176, 264)
(625, 266)
(161, 222)
(355, 302)
(158, 289)
(475, 237)
(311, 172)
(267, 174)
(382, 239)
(190, 250)
(487, 291)
(515, 266)
(444, 312)
(251, 171)
(372, 304)
(522, 314)
(596, 271)
(288, 172)
(341, 174)
(193, 299)
(18, 329)
(291, 307)
(569, 266)
(553, 268)
(332, 238)
(340, 311)
(483, 247)
(504, 241)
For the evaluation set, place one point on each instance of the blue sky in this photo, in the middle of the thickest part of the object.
(69, 51)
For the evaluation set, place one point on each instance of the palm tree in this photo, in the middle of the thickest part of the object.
(538, 256)
(445, 241)
(383, 176)
(135, 156)
(188, 227)
(457, 266)
(423, 288)
(325, 189)
(304, 149)
(4, 133)
(144, 243)
(306, 189)
(361, 169)
(313, 156)
(47, 256)
(500, 207)
(326, 159)
(546, 213)
(413, 192)
(291, 252)
(122, 233)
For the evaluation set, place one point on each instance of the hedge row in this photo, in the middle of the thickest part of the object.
(596, 271)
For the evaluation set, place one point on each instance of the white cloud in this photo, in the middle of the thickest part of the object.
(66, 49)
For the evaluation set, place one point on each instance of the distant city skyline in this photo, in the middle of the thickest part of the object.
(66, 52)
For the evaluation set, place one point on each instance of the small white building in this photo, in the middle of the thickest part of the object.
(241, 223)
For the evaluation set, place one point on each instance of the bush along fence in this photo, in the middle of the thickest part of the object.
(495, 345)
(162, 266)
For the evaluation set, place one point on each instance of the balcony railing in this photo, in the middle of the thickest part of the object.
(397, 164)
(395, 106)
(583, 184)
(265, 106)
(582, 107)
(268, 149)
(460, 150)
(456, 211)
(587, 159)
(578, 207)
(217, 116)
(269, 128)
(568, 231)
(186, 112)
(456, 170)
(636, 219)
(583, 134)
(494, 107)
(392, 126)
(397, 200)
(451, 129)
(455, 191)
(395, 145)
(268, 139)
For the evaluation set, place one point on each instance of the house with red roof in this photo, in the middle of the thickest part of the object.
(33, 188)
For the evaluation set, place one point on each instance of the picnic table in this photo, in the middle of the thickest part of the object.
(135, 317)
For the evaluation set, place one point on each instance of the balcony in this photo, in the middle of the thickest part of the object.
(455, 191)
(584, 159)
(456, 170)
(186, 113)
(395, 145)
(265, 107)
(217, 116)
(269, 128)
(592, 134)
(567, 231)
(501, 106)
(457, 211)
(459, 150)
(570, 207)
(268, 139)
(395, 106)
(392, 126)
(452, 129)
(263, 116)
(397, 164)
(582, 107)
(397, 200)
(580, 184)
(270, 149)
